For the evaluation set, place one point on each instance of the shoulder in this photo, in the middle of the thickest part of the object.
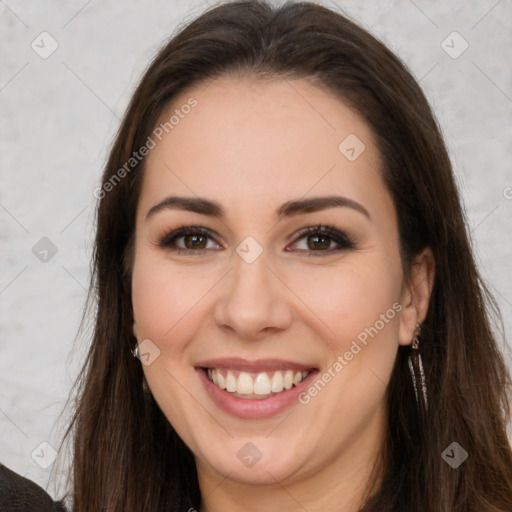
(19, 494)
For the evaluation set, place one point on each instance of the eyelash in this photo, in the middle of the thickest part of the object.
(340, 238)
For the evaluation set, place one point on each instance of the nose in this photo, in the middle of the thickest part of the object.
(253, 302)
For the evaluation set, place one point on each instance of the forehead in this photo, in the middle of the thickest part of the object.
(252, 141)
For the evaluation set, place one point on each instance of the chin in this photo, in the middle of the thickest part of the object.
(256, 460)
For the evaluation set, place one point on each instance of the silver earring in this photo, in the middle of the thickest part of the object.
(136, 353)
(418, 373)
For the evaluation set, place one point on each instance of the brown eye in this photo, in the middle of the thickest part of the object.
(319, 240)
(194, 240)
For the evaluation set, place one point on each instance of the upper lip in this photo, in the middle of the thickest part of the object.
(259, 365)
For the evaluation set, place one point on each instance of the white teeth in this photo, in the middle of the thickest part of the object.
(231, 382)
(297, 378)
(245, 385)
(277, 382)
(261, 384)
(220, 380)
(288, 380)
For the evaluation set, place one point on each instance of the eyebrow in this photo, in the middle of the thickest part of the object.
(214, 209)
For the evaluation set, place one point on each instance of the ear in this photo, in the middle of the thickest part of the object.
(416, 294)
(135, 330)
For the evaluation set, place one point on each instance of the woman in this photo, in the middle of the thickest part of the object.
(281, 246)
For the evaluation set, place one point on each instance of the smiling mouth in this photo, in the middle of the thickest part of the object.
(255, 386)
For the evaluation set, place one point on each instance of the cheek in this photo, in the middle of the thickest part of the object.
(167, 310)
(354, 301)
(164, 298)
(359, 304)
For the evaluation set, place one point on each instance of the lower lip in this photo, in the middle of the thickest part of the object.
(254, 408)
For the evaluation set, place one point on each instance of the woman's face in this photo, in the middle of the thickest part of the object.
(245, 297)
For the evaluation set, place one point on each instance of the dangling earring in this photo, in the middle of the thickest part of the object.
(136, 353)
(418, 374)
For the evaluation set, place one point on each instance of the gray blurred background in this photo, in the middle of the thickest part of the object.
(67, 72)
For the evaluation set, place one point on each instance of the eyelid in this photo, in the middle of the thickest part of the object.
(182, 231)
(339, 237)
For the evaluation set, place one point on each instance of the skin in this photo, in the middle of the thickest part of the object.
(252, 146)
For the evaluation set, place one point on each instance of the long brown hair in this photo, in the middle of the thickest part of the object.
(126, 455)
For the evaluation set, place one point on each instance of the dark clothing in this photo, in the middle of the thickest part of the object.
(19, 494)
